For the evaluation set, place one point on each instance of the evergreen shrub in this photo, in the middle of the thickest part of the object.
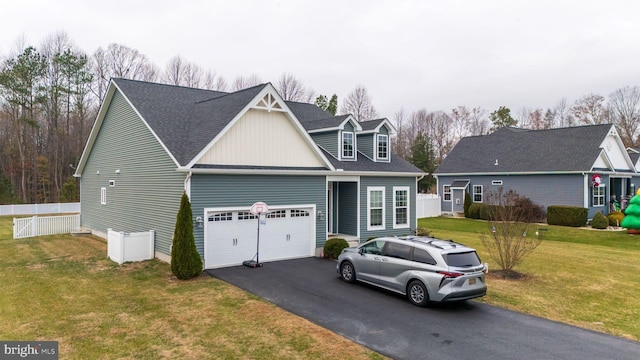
(599, 221)
(615, 218)
(567, 215)
(333, 247)
(474, 211)
(185, 259)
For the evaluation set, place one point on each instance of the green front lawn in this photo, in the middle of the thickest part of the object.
(64, 288)
(588, 278)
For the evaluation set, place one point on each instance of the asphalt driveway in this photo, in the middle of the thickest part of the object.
(387, 323)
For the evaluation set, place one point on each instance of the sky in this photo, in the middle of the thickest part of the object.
(410, 55)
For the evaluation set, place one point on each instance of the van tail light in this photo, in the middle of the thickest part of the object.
(450, 274)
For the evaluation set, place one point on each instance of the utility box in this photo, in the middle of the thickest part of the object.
(124, 247)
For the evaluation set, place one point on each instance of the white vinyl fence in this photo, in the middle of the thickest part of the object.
(428, 205)
(37, 209)
(123, 246)
(45, 225)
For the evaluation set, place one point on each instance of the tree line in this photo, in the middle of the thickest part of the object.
(50, 96)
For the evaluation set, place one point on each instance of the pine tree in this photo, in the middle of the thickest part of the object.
(185, 260)
(423, 157)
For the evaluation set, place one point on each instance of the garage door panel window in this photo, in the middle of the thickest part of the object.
(222, 216)
(299, 213)
(276, 214)
(245, 215)
(375, 208)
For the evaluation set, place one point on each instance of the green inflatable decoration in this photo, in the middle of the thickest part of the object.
(632, 215)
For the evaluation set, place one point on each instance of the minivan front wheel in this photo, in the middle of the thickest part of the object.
(347, 272)
(417, 293)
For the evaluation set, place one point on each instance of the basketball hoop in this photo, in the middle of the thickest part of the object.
(259, 209)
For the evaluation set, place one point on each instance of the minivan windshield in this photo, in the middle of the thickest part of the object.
(462, 259)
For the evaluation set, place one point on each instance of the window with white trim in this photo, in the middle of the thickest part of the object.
(598, 195)
(375, 208)
(477, 193)
(347, 145)
(446, 192)
(400, 207)
(103, 196)
(383, 147)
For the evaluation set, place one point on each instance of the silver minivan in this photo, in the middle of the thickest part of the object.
(425, 269)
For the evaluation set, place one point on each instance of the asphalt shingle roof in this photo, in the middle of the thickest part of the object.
(515, 150)
(188, 119)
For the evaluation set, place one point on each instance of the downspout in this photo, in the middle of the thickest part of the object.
(187, 185)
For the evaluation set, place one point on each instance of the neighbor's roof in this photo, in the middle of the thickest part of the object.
(518, 150)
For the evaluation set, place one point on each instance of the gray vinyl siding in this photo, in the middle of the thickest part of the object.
(388, 183)
(347, 208)
(220, 191)
(147, 191)
(383, 130)
(330, 141)
(545, 190)
(365, 145)
(349, 127)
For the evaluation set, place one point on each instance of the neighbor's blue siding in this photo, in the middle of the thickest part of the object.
(545, 190)
(330, 141)
(219, 191)
(388, 183)
(147, 190)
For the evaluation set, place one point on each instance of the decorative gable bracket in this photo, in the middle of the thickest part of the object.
(269, 103)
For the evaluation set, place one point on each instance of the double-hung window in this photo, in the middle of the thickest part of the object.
(383, 147)
(477, 193)
(400, 207)
(375, 208)
(347, 145)
(598, 195)
(446, 192)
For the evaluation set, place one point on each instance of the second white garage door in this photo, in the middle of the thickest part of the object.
(230, 236)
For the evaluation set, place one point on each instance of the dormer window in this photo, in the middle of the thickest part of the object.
(383, 147)
(347, 145)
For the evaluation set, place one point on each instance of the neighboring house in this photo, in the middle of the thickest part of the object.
(321, 175)
(551, 167)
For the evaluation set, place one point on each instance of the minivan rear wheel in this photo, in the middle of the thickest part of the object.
(347, 272)
(417, 293)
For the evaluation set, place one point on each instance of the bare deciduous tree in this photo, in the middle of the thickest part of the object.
(292, 89)
(624, 107)
(183, 73)
(512, 234)
(242, 82)
(591, 110)
(358, 103)
(120, 61)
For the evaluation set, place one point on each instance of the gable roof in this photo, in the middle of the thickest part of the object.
(397, 166)
(186, 121)
(375, 125)
(201, 114)
(511, 150)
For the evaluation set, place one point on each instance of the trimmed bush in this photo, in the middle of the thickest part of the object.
(474, 211)
(599, 221)
(333, 247)
(529, 210)
(467, 204)
(422, 231)
(185, 259)
(615, 218)
(567, 215)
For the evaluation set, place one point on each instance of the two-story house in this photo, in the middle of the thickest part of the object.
(320, 175)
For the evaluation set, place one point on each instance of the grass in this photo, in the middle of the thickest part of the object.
(64, 288)
(587, 278)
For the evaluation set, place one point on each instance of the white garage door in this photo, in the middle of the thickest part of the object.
(230, 236)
